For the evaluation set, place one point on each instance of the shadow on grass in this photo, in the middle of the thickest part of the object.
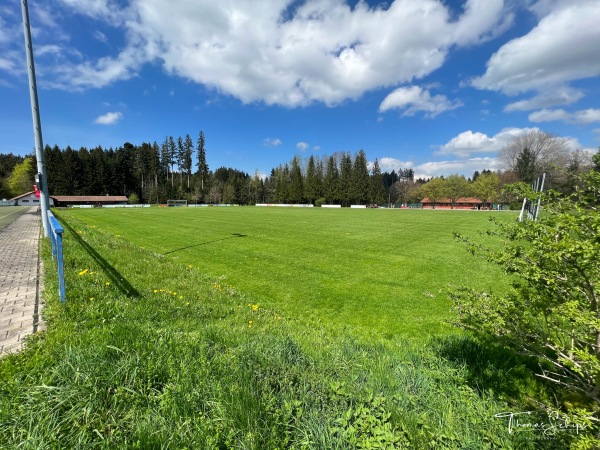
(115, 277)
(493, 368)
(233, 236)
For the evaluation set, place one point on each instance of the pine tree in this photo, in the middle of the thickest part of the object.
(525, 166)
(345, 179)
(180, 156)
(188, 145)
(165, 161)
(201, 164)
(172, 153)
(359, 187)
(377, 188)
(331, 181)
(310, 187)
(296, 189)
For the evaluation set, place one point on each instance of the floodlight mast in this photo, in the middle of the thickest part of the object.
(35, 112)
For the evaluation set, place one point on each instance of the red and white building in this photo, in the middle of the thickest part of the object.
(460, 203)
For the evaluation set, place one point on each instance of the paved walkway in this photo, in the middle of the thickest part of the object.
(21, 281)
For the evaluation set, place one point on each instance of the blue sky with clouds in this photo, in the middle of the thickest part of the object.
(436, 85)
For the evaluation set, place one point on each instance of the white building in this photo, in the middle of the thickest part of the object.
(29, 199)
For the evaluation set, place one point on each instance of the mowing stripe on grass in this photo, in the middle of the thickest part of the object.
(379, 271)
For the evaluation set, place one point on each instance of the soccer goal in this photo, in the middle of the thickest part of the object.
(176, 202)
(532, 208)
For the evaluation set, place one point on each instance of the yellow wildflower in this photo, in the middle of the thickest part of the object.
(83, 272)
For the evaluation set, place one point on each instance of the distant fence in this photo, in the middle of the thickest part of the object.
(126, 206)
(56, 232)
(287, 205)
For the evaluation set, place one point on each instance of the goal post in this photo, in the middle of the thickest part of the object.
(177, 203)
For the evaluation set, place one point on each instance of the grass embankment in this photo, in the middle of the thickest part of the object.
(150, 352)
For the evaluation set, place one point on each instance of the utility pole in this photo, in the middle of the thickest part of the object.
(37, 125)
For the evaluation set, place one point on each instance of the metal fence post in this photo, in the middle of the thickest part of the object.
(56, 232)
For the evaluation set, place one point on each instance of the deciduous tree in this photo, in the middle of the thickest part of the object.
(547, 151)
(485, 188)
(552, 312)
(434, 190)
(457, 186)
(21, 179)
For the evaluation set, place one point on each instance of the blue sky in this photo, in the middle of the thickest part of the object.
(436, 85)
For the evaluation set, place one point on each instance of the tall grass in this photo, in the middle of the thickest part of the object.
(149, 352)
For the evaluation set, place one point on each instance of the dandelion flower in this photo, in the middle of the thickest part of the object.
(155, 291)
(181, 296)
(107, 284)
(83, 272)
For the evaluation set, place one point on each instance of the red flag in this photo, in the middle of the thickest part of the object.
(37, 193)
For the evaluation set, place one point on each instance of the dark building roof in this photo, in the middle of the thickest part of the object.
(22, 195)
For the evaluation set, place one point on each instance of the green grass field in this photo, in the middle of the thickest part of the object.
(378, 271)
(253, 328)
(8, 214)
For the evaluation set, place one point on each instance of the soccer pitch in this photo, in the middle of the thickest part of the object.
(376, 271)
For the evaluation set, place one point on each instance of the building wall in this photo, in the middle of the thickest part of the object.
(31, 200)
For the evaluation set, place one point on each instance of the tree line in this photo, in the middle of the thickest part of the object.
(154, 173)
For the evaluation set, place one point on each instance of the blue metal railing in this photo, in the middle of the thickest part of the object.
(56, 232)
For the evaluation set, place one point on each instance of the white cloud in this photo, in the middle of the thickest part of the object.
(583, 117)
(387, 164)
(413, 99)
(322, 51)
(548, 115)
(474, 26)
(5, 36)
(469, 143)
(109, 118)
(6, 64)
(302, 146)
(563, 47)
(586, 116)
(107, 10)
(272, 142)
(563, 95)
(100, 36)
(464, 167)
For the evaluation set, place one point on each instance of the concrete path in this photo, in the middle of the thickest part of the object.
(21, 281)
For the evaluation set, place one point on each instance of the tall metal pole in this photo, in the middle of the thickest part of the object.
(35, 112)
